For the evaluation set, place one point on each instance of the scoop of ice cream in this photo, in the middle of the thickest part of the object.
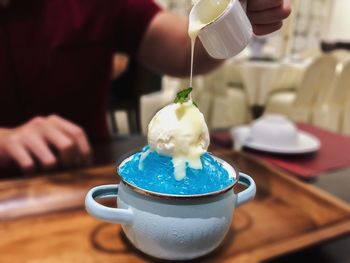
(179, 130)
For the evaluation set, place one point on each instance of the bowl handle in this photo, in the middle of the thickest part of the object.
(247, 194)
(108, 214)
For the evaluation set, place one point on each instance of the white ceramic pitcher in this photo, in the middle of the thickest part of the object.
(226, 35)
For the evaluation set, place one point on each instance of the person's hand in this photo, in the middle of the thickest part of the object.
(44, 142)
(266, 15)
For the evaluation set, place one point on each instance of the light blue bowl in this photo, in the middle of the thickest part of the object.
(173, 227)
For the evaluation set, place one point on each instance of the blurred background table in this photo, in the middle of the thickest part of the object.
(262, 77)
(109, 152)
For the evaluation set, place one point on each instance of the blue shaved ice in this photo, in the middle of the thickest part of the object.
(157, 175)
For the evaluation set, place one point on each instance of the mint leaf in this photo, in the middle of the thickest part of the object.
(182, 96)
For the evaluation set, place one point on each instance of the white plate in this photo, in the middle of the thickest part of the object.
(306, 143)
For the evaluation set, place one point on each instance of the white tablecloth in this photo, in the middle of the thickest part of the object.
(261, 77)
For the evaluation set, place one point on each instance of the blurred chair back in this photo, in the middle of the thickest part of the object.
(126, 92)
(215, 81)
(342, 98)
(345, 119)
(232, 74)
(341, 92)
(223, 100)
(229, 109)
(315, 84)
(341, 55)
(328, 114)
(282, 93)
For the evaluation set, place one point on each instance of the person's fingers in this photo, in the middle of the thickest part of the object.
(40, 149)
(266, 29)
(268, 16)
(259, 5)
(21, 156)
(63, 144)
(74, 132)
(32, 141)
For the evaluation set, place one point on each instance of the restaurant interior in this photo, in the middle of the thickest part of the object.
(278, 73)
(279, 111)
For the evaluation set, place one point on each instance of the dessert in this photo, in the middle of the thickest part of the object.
(176, 160)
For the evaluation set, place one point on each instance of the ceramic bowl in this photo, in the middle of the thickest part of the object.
(173, 227)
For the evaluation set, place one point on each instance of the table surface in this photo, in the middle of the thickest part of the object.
(336, 183)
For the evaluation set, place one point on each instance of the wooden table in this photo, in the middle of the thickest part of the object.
(28, 205)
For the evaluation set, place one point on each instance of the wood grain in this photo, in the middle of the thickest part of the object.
(43, 219)
(35, 195)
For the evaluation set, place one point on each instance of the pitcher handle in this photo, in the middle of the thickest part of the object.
(108, 214)
(247, 194)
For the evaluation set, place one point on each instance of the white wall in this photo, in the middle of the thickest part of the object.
(338, 26)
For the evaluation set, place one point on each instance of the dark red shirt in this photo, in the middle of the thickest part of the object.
(55, 57)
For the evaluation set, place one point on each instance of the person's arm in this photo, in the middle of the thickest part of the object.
(166, 47)
(44, 142)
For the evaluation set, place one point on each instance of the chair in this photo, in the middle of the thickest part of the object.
(345, 119)
(215, 81)
(126, 92)
(283, 90)
(232, 75)
(314, 87)
(229, 109)
(329, 113)
(341, 55)
(280, 102)
(223, 98)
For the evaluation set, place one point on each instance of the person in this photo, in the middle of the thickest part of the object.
(55, 64)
